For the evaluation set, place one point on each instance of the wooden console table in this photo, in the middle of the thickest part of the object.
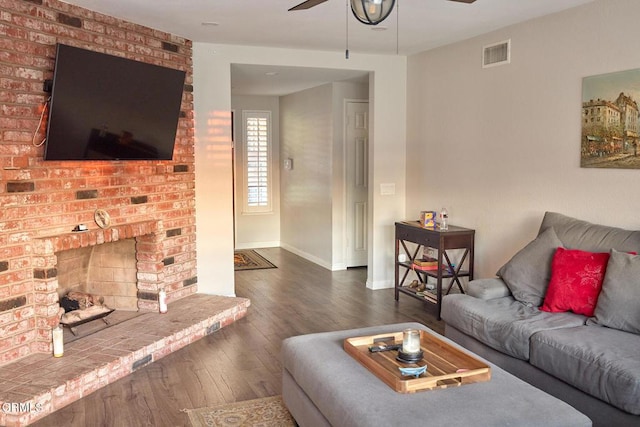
(441, 241)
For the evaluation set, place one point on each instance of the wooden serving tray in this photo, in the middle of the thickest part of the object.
(447, 366)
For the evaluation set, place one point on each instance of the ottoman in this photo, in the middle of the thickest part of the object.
(325, 386)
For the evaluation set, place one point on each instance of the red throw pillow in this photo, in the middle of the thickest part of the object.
(576, 281)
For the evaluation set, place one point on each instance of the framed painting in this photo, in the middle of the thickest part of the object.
(611, 120)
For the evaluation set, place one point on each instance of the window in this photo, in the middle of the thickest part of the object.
(257, 161)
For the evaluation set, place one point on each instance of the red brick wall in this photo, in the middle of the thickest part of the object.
(41, 199)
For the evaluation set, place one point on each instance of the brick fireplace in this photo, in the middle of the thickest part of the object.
(148, 274)
(151, 203)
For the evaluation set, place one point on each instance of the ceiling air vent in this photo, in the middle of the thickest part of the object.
(496, 54)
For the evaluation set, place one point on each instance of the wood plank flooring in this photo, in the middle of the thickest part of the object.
(241, 361)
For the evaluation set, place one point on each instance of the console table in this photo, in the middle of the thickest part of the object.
(441, 241)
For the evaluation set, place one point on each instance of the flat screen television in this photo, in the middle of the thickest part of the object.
(104, 107)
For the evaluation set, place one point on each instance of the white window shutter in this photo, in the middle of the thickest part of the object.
(257, 161)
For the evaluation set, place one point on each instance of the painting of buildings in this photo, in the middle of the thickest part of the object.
(611, 120)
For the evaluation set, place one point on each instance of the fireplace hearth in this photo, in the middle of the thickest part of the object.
(40, 384)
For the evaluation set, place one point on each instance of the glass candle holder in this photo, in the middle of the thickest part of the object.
(410, 341)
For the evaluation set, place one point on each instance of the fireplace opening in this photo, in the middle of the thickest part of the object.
(94, 283)
(108, 271)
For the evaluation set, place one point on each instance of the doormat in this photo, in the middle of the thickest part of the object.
(264, 412)
(249, 259)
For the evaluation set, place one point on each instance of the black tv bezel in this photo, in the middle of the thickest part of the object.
(175, 107)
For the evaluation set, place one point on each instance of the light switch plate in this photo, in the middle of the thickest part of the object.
(387, 189)
(288, 163)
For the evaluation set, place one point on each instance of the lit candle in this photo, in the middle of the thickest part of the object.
(162, 300)
(411, 341)
(58, 343)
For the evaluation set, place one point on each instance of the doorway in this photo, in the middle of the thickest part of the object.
(356, 146)
(309, 188)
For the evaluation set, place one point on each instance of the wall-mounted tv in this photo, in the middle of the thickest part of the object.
(104, 107)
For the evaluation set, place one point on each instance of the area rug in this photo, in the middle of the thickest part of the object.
(264, 412)
(249, 260)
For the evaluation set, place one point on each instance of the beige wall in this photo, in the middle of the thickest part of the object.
(307, 133)
(500, 146)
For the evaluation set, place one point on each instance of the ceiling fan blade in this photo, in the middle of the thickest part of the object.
(464, 1)
(308, 4)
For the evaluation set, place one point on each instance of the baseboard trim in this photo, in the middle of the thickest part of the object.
(380, 284)
(314, 259)
(257, 245)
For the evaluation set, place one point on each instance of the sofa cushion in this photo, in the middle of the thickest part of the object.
(527, 274)
(579, 234)
(488, 288)
(600, 361)
(502, 323)
(619, 302)
(576, 280)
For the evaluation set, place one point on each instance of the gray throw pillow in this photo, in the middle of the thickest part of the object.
(618, 305)
(527, 274)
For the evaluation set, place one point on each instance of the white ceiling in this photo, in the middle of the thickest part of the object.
(414, 26)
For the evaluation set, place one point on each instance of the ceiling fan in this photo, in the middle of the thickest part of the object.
(308, 4)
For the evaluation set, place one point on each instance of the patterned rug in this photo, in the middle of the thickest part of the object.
(249, 260)
(264, 412)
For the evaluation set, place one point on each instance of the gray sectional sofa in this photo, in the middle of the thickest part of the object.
(590, 360)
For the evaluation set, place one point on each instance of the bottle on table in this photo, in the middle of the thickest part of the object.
(444, 219)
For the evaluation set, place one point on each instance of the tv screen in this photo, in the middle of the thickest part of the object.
(111, 108)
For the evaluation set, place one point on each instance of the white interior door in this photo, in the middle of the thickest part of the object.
(356, 176)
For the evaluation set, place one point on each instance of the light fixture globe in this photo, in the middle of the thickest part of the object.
(372, 12)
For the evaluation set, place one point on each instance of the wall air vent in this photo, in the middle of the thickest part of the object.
(496, 54)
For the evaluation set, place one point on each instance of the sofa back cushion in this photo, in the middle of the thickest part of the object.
(527, 274)
(618, 305)
(578, 234)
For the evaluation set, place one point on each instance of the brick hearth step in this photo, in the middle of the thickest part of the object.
(37, 385)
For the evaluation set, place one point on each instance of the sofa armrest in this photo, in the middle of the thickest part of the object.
(487, 289)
